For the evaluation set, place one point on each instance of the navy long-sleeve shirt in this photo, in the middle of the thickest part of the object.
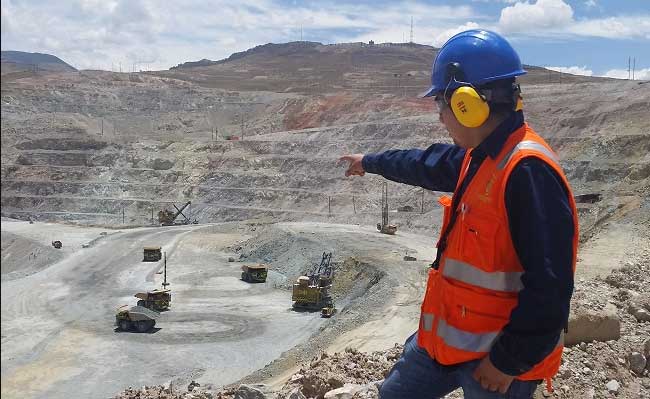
(540, 219)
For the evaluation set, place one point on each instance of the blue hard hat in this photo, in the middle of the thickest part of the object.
(475, 56)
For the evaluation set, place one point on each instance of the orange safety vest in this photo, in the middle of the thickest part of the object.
(470, 296)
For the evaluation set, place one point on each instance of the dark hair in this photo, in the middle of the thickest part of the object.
(502, 95)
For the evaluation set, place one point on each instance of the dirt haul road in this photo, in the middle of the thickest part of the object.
(58, 338)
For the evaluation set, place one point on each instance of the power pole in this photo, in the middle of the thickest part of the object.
(122, 214)
(102, 126)
(165, 283)
(633, 67)
(329, 206)
(242, 125)
(411, 31)
(384, 205)
(628, 67)
(354, 206)
(152, 215)
(422, 201)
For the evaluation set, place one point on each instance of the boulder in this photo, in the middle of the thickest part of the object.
(637, 362)
(296, 394)
(613, 386)
(248, 392)
(586, 325)
(638, 312)
(349, 391)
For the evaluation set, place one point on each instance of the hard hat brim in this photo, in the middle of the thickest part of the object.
(430, 92)
(435, 89)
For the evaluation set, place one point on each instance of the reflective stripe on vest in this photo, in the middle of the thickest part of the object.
(473, 342)
(497, 281)
(427, 321)
(467, 341)
(528, 145)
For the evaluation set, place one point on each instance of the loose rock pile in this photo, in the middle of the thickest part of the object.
(350, 374)
(617, 366)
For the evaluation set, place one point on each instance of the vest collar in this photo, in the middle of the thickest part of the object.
(493, 144)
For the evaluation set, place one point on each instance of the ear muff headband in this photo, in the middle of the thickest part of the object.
(469, 107)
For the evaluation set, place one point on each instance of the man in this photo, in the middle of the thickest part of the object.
(498, 293)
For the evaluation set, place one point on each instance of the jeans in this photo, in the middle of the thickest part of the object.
(417, 376)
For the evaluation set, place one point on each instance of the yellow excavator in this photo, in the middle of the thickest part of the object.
(312, 292)
(167, 217)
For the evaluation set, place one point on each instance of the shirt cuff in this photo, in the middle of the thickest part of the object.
(369, 163)
(504, 361)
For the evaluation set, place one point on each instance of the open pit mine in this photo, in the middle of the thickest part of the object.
(189, 233)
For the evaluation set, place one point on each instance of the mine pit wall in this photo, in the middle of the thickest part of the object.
(288, 180)
(238, 180)
(157, 148)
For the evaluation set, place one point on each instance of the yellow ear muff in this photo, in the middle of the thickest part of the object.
(520, 104)
(469, 107)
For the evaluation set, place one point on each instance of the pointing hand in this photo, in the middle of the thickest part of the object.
(355, 168)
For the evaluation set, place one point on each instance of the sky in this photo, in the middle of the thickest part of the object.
(587, 37)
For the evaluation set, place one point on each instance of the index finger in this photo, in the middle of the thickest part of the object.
(346, 157)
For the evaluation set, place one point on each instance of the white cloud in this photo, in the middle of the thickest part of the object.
(613, 27)
(642, 74)
(495, 1)
(590, 3)
(94, 33)
(573, 70)
(445, 35)
(527, 17)
(98, 33)
(554, 18)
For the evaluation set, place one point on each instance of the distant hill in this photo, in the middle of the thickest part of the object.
(17, 61)
(269, 49)
(311, 67)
